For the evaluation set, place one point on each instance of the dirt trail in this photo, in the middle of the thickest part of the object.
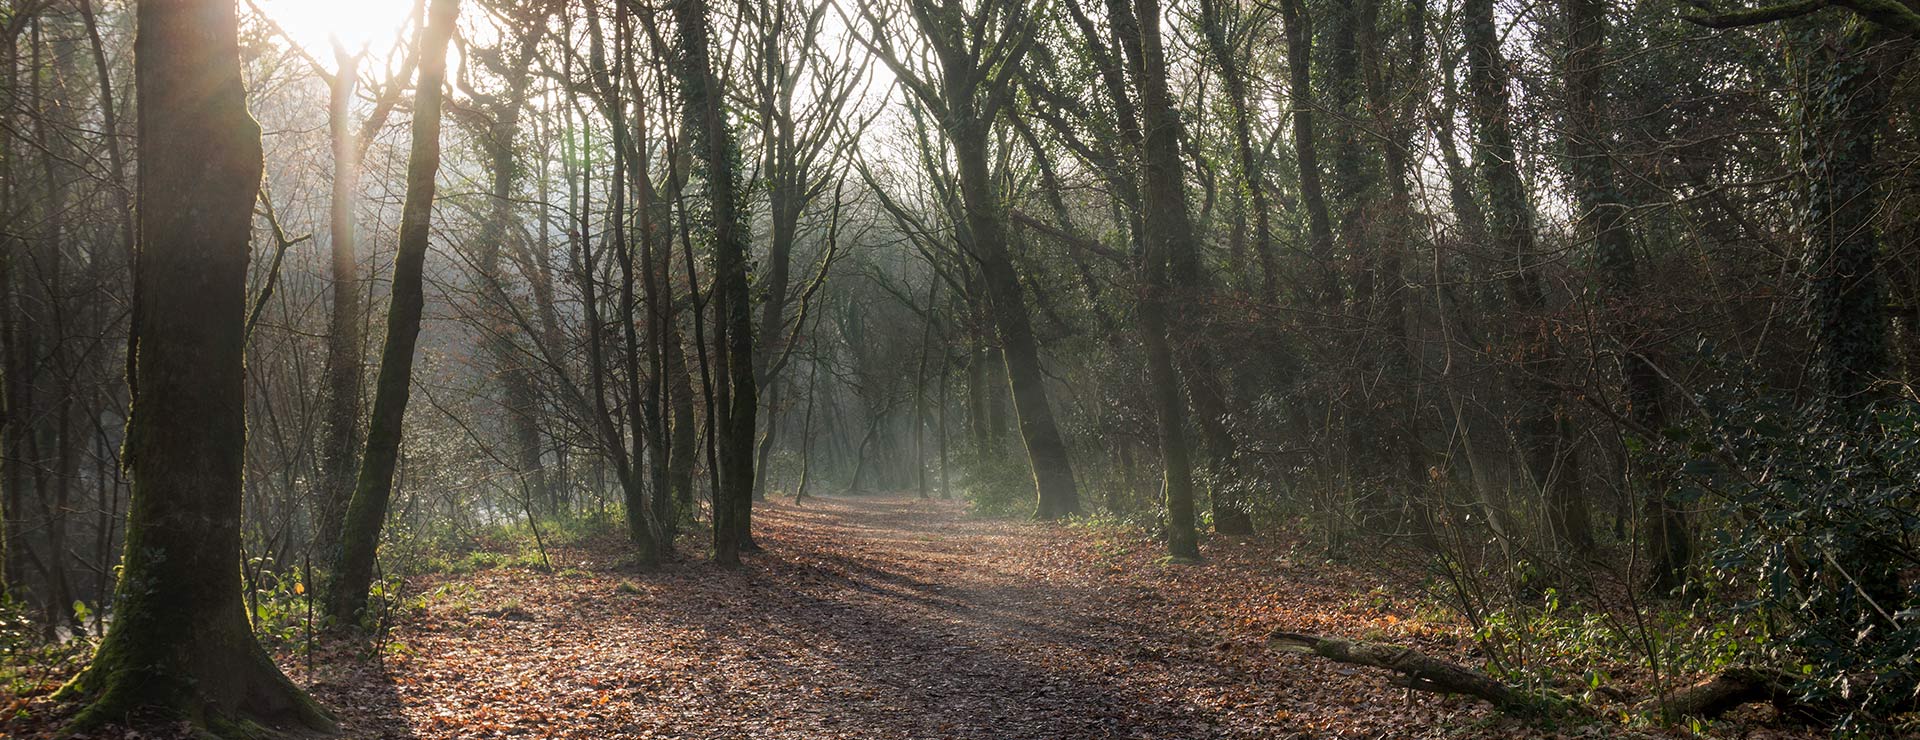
(891, 619)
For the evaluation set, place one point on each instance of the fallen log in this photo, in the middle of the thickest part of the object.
(1426, 673)
(1717, 695)
(1737, 687)
(1708, 699)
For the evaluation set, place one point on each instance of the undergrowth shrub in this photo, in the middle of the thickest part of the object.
(505, 544)
(30, 665)
(996, 484)
(280, 606)
(1817, 541)
(1575, 625)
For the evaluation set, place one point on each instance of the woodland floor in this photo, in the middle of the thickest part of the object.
(896, 619)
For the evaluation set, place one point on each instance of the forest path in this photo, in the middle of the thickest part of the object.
(892, 619)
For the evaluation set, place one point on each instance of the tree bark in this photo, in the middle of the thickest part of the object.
(1603, 215)
(976, 70)
(1545, 434)
(339, 453)
(1733, 688)
(713, 144)
(11, 420)
(360, 539)
(1252, 172)
(1422, 672)
(180, 646)
(520, 398)
(1848, 84)
(1046, 449)
(619, 417)
(683, 447)
(1306, 149)
(1840, 121)
(787, 180)
(1169, 229)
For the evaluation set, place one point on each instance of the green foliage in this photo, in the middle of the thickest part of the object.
(16, 627)
(385, 598)
(1118, 526)
(1821, 515)
(508, 544)
(1552, 644)
(996, 485)
(28, 665)
(453, 598)
(279, 608)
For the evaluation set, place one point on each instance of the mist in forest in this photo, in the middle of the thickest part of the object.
(959, 368)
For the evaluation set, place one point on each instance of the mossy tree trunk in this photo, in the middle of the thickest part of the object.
(1840, 120)
(1842, 113)
(1188, 287)
(12, 426)
(1168, 228)
(498, 124)
(973, 80)
(1393, 114)
(1223, 48)
(713, 144)
(360, 540)
(683, 446)
(180, 646)
(1046, 449)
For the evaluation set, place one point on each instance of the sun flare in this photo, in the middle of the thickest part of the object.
(317, 25)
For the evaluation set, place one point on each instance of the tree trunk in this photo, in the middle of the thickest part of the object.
(1603, 215)
(941, 417)
(806, 434)
(622, 431)
(1545, 434)
(1471, 220)
(180, 646)
(683, 447)
(763, 447)
(713, 144)
(783, 201)
(920, 386)
(1169, 229)
(1353, 168)
(656, 251)
(1840, 120)
(519, 396)
(360, 539)
(985, 217)
(1252, 172)
(11, 354)
(339, 454)
(1423, 672)
(1307, 150)
(1841, 115)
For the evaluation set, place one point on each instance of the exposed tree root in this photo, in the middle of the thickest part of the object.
(227, 689)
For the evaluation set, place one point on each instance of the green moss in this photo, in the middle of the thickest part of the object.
(127, 686)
